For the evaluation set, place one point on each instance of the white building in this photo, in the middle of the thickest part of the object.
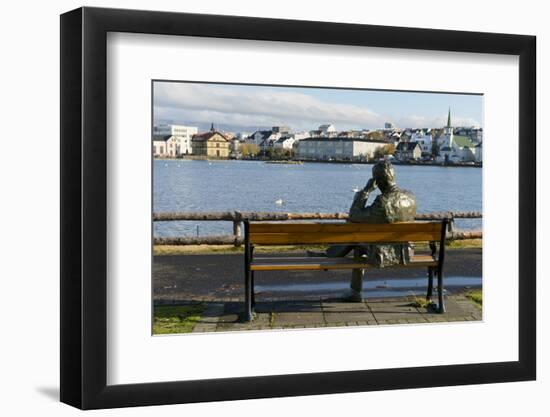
(478, 152)
(264, 138)
(301, 135)
(337, 148)
(328, 128)
(180, 136)
(454, 148)
(290, 141)
(159, 147)
(446, 139)
(324, 131)
(424, 140)
(285, 142)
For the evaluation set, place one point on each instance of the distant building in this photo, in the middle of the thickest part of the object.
(243, 135)
(445, 154)
(300, 135)
(424, 140)
(182, 136)
(290, 141)
(169, 146)
(284, 142)
(337, 148)
(329, 128)
(408, 151)
(266, 138)
(455, 148)
(159, 146)
(467, 154)
(388, 125)
(235, 147)
(212, 144)
(478, 152)
(447, 138)
(280, 129)
(174, 145)
(474, 133)
(324, 131)
(350, 134)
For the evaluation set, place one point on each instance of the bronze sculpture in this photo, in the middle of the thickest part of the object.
(392, 205)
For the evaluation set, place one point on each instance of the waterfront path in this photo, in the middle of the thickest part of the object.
(214, 283)
(220, 316)
(198, 277)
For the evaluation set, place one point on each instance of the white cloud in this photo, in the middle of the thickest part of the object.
(416, 121)
(249, 106)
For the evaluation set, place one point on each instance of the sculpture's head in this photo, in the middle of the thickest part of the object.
(384, 174)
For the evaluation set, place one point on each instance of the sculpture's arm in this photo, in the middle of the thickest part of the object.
(360, 213)
(359, 200)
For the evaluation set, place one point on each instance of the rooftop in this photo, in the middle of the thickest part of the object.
(341, 139)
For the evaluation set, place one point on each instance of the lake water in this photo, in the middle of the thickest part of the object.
(185, 185)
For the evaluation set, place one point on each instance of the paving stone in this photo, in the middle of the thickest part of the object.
(418, 319)
(361, 316)
(339, 307)
(299, 306)
(395, 310)
(298, 318)
(337, 312)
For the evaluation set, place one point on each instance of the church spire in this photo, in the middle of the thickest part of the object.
(212, 128)
(449, 118)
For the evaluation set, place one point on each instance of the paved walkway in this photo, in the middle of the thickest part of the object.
(309, 313)
(192, 277)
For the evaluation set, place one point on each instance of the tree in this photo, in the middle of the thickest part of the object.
(384, 150)
(435, 148)
(249, 149)
(279, 153)
(376, 135)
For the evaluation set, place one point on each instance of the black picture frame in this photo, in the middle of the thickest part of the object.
(84, 207)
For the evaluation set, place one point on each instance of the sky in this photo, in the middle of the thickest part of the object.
(246, 108)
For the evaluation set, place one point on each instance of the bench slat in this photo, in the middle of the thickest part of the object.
(333, 227)
(287, 264)
(341, 237)
(279, 259)
(326, 266)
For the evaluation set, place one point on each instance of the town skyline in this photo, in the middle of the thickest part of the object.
(245, 108)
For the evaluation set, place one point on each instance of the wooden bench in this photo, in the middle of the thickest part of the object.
(274, 234)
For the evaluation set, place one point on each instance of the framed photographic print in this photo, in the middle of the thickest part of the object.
(257, 208)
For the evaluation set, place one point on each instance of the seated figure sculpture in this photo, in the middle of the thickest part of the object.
(391, 205)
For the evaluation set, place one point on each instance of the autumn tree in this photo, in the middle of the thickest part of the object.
(382, 151)
(249, 149)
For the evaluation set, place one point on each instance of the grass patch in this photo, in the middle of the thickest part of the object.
(476, 296)
(176, 319)
(167, 250)
(421, 302)
(466, 243)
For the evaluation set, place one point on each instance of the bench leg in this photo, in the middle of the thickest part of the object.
(252, 295)
(440, 291)
(430, 284)
(247, 315)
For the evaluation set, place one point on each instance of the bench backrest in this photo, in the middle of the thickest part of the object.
(264, 233)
